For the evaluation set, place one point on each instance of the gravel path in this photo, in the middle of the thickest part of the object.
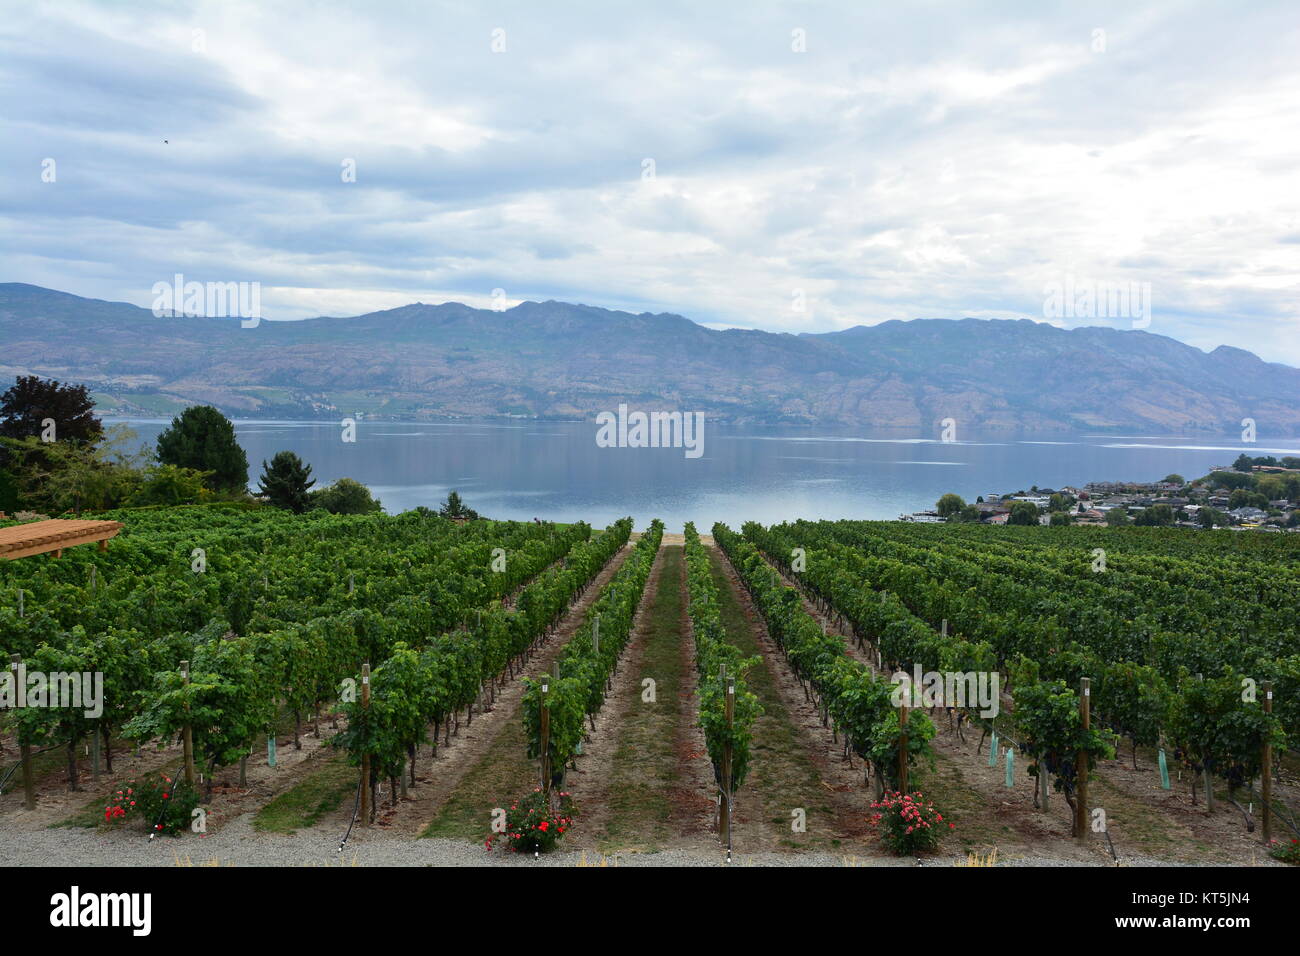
(238, 844)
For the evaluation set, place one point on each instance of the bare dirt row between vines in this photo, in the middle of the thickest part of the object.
(797, 797)
(640, 785)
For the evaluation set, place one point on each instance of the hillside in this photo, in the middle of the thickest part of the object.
(559, 360)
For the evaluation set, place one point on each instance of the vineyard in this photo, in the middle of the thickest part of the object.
(1085, 695)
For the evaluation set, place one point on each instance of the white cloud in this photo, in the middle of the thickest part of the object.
(936, 161)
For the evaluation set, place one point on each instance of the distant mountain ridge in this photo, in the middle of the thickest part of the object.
(562, 361)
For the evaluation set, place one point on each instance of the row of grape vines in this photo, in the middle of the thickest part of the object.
(1170, 665)
(858, 701)
(274, 612)
(415, 688)
(726, 740)
(587, 663)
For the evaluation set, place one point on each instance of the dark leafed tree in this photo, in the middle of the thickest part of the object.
(31, 400)
(949, 505)
(1117, 517)
(346, 497)
(1023, 512)
(1155, 516)
(285, 482)
(204, 439)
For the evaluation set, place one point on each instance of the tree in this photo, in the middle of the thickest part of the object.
(1174, 479)
(8, 490)
(1117, 517)
(170, 485)
(454, 507)
(72, 475)
(1231, 479)
(1023, 513)
(345, 497)
(1243, 463)
(204, 439)
(949, 505)
(31, 400)
(1277, 487)
(1157, 516)
(285, 482)
(1241, 498)
(1060, 518)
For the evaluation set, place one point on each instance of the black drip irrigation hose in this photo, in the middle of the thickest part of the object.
(153, 831)
(12, 770)
(356, 806)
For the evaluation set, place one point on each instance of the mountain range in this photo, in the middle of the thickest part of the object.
(557, 360)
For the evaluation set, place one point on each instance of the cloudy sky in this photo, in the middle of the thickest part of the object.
(726, 162)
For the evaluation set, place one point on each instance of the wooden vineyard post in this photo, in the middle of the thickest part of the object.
(729, 690)
(1206, 776)
(1081, 762)
(1266, 770)
(555, 675)
(365, 754)
(187, 733)
(902, 748)
(29, 781)
(546, 738)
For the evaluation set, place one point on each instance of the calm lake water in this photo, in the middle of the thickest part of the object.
(555, 470)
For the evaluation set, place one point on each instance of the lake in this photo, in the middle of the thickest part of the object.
(556, 471)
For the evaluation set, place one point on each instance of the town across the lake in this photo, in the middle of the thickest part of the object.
(1252, 494)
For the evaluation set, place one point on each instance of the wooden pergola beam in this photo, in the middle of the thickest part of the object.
(41, 537)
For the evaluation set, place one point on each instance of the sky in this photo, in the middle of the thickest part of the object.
(795, 167)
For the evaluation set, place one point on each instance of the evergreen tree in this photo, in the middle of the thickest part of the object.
(285, 482)
(204, 439)
(454, 507)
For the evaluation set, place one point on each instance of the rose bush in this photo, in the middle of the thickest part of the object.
(533, 826)
(165, 805)
(1288, 851)
(908, 823)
